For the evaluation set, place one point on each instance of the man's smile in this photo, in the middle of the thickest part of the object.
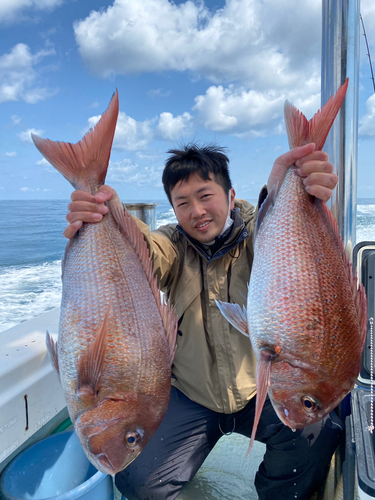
(202, 225)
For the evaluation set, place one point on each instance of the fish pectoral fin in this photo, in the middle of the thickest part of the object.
(263, 378)
(236, 316)
(52, 352)
(90, 364)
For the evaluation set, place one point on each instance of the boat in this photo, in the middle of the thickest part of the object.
(32, 404)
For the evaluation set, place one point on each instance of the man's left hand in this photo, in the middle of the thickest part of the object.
(313, 166)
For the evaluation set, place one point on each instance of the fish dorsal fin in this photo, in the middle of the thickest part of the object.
(301, 131)
(358, 292)
(130, 229)
(87, 161)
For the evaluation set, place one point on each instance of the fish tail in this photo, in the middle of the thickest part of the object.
(85, 163)
(301, 131)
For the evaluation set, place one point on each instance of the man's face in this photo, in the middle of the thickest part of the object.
(201, 207)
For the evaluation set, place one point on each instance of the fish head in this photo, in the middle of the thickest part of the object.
(302, 397)
(113, 433)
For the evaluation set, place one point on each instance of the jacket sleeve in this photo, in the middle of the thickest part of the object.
(252, 220)
(163, 252)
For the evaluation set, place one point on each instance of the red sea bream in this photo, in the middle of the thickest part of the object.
(116, 336)
(305, 315)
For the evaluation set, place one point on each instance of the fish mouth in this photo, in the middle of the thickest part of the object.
(104, 465)
(286, 419)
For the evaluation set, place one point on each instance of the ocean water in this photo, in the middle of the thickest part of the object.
(31, 247)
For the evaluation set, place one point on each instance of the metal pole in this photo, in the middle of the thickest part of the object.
(340, 59)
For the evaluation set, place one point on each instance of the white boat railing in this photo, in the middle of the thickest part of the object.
(32, 402)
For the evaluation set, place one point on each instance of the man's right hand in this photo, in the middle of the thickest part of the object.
(85, 207)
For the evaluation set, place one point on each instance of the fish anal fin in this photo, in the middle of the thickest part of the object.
(236, 316)
(131, 231)
(52, 352)
(266, 207)
(91, 364)
(84, 164)
(300, 131)
(263, 377)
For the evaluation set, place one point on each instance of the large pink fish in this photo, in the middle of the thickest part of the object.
(305, 315)
(116, 336)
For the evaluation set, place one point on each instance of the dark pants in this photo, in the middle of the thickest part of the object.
(294, 465)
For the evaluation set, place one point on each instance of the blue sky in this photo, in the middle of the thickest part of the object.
(209, 71)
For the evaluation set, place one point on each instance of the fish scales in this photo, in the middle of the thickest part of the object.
(116, 336)
(299, 284)
(306, 317)
(100, 276)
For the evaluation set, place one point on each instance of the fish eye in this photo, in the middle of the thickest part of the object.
(132, 439)
(309, 404)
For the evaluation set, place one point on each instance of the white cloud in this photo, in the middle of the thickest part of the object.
(26, 135)
(132, 135)
(367, 122)
(256, 53)
(10, 154)
(171, 128)
(92, 121)
(126, 172)
(18, 77)
(273, 44)
(47, 167)
(16, 119)
(43, 161)
(26, 189)
(248, 112)
(159, 93)
(10, 9)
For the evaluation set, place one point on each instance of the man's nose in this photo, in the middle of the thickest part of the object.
(197, 209)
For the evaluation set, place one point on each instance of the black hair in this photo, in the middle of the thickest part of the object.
(192, 159)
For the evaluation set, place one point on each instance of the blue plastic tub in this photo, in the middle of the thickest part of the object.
(54, 469)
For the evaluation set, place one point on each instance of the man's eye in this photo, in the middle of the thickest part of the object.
(181, 205)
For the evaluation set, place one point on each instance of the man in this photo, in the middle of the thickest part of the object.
(208, 256)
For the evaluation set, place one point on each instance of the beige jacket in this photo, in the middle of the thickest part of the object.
(214, 364)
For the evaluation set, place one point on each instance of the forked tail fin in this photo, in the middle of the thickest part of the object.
(301, 131)
(84, 164)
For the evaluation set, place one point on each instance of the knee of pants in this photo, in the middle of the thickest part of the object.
(143, 487)
(298, 464)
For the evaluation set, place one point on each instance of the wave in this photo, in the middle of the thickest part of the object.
(29, 290)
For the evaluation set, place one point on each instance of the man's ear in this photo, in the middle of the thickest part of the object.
(231, 198)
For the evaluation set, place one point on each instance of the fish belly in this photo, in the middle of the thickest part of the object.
(299, 294)
(102, 270)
